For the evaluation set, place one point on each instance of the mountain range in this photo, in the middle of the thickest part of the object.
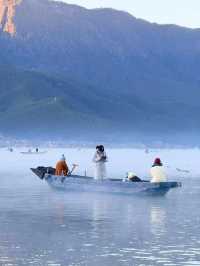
(66, 71)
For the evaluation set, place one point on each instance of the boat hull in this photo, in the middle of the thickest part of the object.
(33, 152)
(87, 184)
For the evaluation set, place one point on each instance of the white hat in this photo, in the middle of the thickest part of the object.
(131, 175)
(63, 157)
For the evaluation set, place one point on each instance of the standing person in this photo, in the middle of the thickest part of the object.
(100, 159)
(61, 167)
(157, 172)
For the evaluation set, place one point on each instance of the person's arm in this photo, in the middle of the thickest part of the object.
(103, 157)
(106, 157)
(56, 172)
(96, 158)
(66, 169)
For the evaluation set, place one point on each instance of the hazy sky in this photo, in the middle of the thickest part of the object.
(181, 12)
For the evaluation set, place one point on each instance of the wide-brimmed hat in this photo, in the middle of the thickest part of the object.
(131, 175)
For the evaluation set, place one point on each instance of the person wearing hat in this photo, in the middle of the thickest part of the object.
(61, 167)
(157, 172)
(100, 159)
(133, 177)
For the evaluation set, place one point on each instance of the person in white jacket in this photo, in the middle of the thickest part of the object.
(157, 172)
(100, 159)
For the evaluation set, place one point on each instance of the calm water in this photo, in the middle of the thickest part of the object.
(39, 226)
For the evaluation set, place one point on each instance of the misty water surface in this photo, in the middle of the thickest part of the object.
(40, 226)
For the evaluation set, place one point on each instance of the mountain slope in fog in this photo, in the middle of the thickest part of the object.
(124, 73)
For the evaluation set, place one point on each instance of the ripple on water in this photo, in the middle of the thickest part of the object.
(191, 263)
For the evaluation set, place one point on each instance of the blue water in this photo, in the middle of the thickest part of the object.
(40, 226)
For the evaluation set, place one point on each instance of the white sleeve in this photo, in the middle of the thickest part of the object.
(96, 158)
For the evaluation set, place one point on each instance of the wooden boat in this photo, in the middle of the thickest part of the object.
(115, 186)
(32, 152)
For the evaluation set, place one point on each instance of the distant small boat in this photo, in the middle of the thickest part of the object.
(116, 186)
(182, 171)
(33, 152)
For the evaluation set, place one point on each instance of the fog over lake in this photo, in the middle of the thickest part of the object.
(41, 226)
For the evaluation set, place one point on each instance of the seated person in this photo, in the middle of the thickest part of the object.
(61, 167)
(157, 172)
(133, 177)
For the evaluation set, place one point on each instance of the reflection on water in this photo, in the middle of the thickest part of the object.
(44, 227)
(39, 226)
(158, 219)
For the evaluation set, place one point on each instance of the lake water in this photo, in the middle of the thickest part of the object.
(40, 226)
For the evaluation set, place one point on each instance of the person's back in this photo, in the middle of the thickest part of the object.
(61, 167)
(157, 172)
